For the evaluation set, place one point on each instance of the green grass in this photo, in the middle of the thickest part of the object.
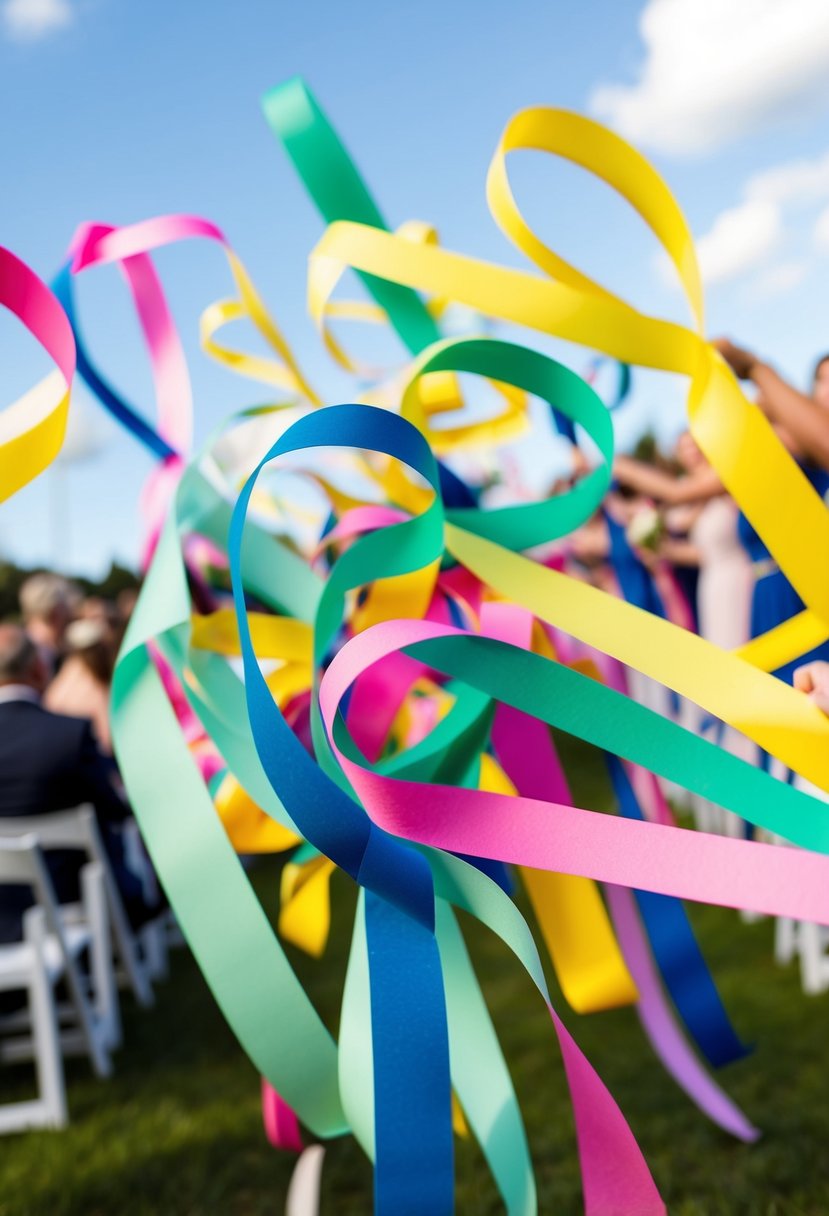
(177, 1129)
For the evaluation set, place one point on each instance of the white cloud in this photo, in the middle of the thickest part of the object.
(799, 181)
(739, 240)
(716, 70)
(87, 433)
(30, 20)
(821, 232)
(743, 238)
(778, 280)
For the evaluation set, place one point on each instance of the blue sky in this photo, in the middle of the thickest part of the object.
(116, 111)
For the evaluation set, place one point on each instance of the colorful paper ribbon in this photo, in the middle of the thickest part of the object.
(33, 427)
(425, 594)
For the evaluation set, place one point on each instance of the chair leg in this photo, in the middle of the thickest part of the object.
(88, 1026)
(703, 819)
(48, 1058)
(785, 940)
(106, 1004)
(124, 940)
(154, 949)
(813, 969)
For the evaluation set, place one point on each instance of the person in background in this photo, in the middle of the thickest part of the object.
(82, 686)
(49, 762)
(697, 504)
(47, 604)
(803, 424)
(102, 612)
(724, 589)
(805, 417)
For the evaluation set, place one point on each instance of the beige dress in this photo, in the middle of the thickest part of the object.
(725, 578)
(724, 613)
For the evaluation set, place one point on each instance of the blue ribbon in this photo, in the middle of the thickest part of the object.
(565, 425)
(410, 1067)
(634, 577)
(677, 953)
(112, 401)
(414, 1167)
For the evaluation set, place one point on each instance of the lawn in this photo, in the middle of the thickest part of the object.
(177, 1129)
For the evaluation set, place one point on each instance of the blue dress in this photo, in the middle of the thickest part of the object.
(774, 599)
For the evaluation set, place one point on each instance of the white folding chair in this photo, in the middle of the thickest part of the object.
(78, 829)
(155, 935)
(803, 938)
(657, 697)
(810, 942)
(47, 954)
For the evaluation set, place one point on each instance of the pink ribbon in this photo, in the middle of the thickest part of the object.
(281, 1124)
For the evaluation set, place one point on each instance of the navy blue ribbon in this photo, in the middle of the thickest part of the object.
(414, 1168)
(117, 406)
(677, 953)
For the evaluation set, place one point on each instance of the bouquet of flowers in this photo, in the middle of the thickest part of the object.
(646, 529)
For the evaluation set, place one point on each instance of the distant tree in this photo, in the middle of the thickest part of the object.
(118, 578)
(647, 449)
(11, 579)
(649, 452)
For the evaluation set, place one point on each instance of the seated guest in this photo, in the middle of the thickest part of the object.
(49, 762)
(81, 687)
(47, 603)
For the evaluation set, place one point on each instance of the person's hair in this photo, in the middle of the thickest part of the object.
(18, 654)
(823, 359)
(98, 661)
(86, 640)
(41, 594)
(125, 603)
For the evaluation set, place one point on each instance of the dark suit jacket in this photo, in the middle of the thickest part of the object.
(49, 762)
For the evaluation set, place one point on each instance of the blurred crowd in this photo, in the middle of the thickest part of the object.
(671, 539)
(77, 640)
(668, 538)
(56, 667)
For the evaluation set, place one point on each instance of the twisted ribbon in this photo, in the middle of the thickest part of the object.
(424, 597)
(33, 427)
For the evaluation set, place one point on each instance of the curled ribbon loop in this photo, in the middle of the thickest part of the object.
(725, 424)
(339, 192)
(33, 427)
(402, 671)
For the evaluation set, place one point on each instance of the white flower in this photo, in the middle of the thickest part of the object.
(645, 529)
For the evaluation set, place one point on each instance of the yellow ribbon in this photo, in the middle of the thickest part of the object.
(249, 828)
(275, 637)
(416, 231)
(31, 433)
(283, 372)
(33, 427)
(574, 924)
(305, 915)
(734, 434)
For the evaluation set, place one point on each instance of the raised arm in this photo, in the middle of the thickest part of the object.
(697, 486)
(805, 421)
(679, 551)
